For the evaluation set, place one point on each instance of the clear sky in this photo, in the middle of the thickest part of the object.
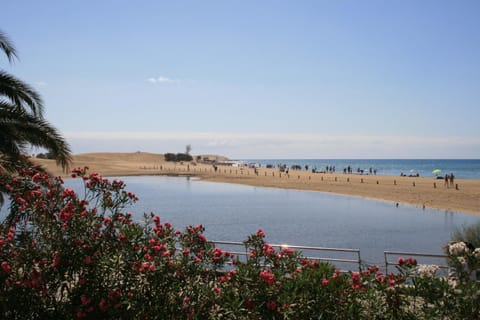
(255, 79)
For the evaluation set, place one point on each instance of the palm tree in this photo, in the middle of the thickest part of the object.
(21, 120)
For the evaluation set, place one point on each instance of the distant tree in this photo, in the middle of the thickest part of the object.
(178, 157)
(188, 149)
(170, 157)
(184, 157)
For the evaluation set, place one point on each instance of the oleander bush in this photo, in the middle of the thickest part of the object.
(468, 234)
(71, 255)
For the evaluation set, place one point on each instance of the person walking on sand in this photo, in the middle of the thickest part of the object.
(451, 177)
(446, 180)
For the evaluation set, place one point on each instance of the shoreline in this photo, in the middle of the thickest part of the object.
(417, 191)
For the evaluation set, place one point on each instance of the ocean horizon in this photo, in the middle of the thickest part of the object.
(461, 168)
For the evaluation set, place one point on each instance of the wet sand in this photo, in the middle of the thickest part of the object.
(463, 196)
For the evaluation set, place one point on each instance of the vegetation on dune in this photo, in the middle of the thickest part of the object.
(178, 157)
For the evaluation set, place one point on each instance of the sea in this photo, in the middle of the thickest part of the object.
(461, 168)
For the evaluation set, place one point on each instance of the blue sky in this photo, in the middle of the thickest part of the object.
(255, 79)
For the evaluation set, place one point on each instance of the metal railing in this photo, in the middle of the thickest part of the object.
(342, 256)
(430, 258)
(314, 253)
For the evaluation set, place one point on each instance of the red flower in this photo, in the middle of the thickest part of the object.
(272, 305)
(56, 260)
(88, 260)
(6, 267)
(202, 237)
(267, 277)
(324, 282)
(260, 233)
(249, 304)
(103, 305)
(268, 250)
(85, 301)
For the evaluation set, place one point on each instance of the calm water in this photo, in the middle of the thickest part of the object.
(231, 212)
(466, 169)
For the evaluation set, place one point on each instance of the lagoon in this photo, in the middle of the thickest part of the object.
(231, 212)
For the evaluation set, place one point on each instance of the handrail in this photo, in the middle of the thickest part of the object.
(357, 260)
(386, 254)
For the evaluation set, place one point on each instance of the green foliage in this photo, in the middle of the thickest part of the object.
(468, 234)
(65, 255)
(22, 124)
(178, 157)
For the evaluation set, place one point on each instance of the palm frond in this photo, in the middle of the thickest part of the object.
(20, 129)
(21, 95)
(7, 47)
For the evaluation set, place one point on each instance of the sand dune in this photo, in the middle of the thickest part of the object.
(422, 192)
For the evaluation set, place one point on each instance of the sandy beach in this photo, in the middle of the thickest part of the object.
(464, 196)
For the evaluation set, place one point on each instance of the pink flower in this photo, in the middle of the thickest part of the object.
(324, 282)
(202, 237)
(267, 277)
(260, 233)
(68, 193)
(268, 250)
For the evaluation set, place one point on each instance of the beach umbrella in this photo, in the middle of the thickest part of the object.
(436, 171)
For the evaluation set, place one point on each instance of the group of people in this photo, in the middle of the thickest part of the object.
(449, 180)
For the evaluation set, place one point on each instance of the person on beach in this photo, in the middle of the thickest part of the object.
(446, 180)
(451, 179)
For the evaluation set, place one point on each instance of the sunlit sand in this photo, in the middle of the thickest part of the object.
(464, 196)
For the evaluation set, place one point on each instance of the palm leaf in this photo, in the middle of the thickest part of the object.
(7, 47)
(21, 95)
(20, 129)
